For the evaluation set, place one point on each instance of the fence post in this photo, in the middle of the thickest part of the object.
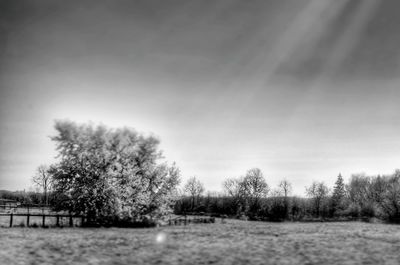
(27, 220)
(83, 220)
(71, 223)
(58, 221)
(11, 219)
(185, 219)
(44, 221)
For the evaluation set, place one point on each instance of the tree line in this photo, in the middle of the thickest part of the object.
(120, 176)
(250, 197)
(23, 197)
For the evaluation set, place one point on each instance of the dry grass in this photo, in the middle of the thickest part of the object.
(235, 242)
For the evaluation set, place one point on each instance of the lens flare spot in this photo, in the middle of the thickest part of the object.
(161, 238)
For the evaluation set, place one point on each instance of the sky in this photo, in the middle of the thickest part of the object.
(302, 89)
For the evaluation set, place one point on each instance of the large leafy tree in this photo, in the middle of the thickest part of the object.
(111, 172)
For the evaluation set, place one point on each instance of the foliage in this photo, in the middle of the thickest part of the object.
(363, 197)
(338, 199)
(22, 196)
(111, 172)
(276, 208)
(376, 195)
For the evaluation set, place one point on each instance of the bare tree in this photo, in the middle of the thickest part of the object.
(255, 184)
(247, 191)
(42, 179)
(286, 187)
(359, 189)
(255, 187)
(318, 191)
(194, 188)
(386, 191)
(234, 188)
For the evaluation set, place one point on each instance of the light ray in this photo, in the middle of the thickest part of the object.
(269, 61)
(350, 37)
(342, 49)
(308, 25)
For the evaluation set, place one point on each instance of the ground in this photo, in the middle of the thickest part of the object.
(233, 242)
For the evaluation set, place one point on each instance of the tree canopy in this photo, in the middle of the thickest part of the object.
(111, 172)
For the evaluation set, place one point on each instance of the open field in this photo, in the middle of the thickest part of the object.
(235, 242)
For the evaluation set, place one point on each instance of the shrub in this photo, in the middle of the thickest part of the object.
(352, 211)
(277, 211)
(368, 210)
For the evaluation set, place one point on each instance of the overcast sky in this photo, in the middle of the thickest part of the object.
(302, 89)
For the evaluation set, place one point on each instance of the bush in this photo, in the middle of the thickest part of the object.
(394, 219)
(277, 212)
(352, 211)
(117, 222)
(368, 210)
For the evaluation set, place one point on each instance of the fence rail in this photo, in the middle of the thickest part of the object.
(45, 219)
(57, 217)
(179, 220)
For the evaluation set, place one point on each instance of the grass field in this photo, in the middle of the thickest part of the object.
(235, 242)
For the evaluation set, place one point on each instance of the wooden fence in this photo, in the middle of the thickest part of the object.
(58, 220)
(185, 220)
